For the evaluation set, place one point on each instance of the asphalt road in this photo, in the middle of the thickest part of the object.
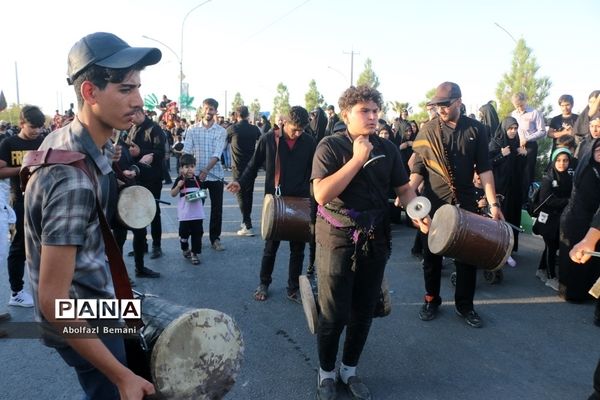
(532, 346)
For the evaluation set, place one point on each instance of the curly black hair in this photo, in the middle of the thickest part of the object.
(359, 94)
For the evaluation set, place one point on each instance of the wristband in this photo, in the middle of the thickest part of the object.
(495, 205)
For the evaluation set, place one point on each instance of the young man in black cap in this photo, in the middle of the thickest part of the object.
(465, 152)
(65, 251)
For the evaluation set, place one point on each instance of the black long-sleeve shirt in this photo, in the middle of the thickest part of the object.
(155, 144)
(296, 165)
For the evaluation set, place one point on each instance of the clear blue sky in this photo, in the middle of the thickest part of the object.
(251, 46)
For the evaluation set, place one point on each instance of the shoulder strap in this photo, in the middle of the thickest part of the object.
(276, 134)
(75, 159)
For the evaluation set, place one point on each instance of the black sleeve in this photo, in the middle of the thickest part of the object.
(5, 148)
(324, 163)
(258, 158)
(482, 158)
(230, 133)
(176, 181)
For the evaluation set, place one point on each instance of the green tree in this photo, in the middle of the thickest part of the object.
(521, 78)
(368, 76)
(11, 114)
(398, 106)
(254, 109)
(313, 98)
(237, 101)
(281, 102)
(422, 116)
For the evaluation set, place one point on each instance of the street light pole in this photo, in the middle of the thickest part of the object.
(181, 49)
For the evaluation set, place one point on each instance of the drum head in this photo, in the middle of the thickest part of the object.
(268, 214)
(197, 356)
(136, 207)
(444, 226)
(308, 304)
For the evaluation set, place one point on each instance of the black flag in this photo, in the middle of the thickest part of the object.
(3, 104)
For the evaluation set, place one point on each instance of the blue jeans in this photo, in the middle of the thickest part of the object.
(94, 383)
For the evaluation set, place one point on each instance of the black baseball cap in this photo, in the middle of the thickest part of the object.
(445, 92)
(109, 51)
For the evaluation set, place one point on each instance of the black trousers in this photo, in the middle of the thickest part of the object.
(155, 187)
(16, 253)
(194, 229)
(215, 191)
(139, 241)
(244, 199)
(347, 298)
(466, 279)
(295, 265)
(596, 394)
(529, 173)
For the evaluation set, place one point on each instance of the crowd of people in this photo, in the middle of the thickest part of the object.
(482, 164)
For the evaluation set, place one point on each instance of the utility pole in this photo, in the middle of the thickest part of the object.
(352, 53)
(17, 80)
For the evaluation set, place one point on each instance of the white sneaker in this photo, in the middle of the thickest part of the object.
(541, 273)
(245, 232)
(552, 283)
(21, 299)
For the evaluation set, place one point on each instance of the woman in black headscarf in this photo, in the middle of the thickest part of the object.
(508, 164)
(489, 118)
(555, 192)
(318, 124)
(576, 279)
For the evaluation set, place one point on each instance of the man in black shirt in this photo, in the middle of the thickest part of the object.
(353, 234)
(242, 136)
(332, 119)
(563, 123)
(466, 152)
(295, 151)
(12, 151)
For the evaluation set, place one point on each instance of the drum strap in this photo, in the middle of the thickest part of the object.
(75, 159)
(276, 134)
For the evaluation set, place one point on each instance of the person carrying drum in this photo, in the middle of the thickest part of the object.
(294, 152)
(190, 210)
(449, 149)
(353, 233)
(64, 248)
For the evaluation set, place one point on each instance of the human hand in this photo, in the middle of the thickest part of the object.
(233, 187)
(505, 151)
(135, 388)
(129, 174)
(361, 148)
(522, 151)
(147, 159)
(522, 143)
(423, 224)
(496, 213)
(118, 151)
(577, 253)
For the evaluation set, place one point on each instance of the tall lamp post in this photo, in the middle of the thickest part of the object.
(179, 56)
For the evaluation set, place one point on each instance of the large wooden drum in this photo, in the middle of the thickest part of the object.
(286, 218)
(470, 238)
(194, 353)
(136, 207)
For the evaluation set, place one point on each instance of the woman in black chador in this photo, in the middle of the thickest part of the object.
(508, 164)
(576, 279)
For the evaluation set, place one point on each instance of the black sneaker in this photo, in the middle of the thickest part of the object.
(356, 389)
(156, 253)
(326, 390)
(428, 311)
(146, 273)
(471, 318)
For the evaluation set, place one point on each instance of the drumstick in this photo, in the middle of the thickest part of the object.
(215, 176)
(517, 228)
(162, 202)
(592, 253)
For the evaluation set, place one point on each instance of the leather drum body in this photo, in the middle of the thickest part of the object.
(286, 218)
(470, 238)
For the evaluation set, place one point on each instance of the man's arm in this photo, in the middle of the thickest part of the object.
(332, 186)
(57, 266)
(6, 171)
(487, 181)
(405, 194)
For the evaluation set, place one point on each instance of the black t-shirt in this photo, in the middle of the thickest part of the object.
(467, 147)
(188, 183)
(12, 151)
(559, 123)
(242, 137)
(369, 188)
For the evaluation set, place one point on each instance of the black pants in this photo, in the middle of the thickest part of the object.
(312, 245)
(549, 256)
(347, 298)
(529, 173)
(244, 199)
(155, 187)
(16, 253)
(295, 265)
(194, 229)
(139, 242)
(215, 191)
(466, 279)
(596, 394)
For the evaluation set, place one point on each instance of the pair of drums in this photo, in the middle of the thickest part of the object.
(192, 353)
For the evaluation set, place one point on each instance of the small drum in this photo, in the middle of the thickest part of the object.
(194, 353)
(136, 207)
(197, 195)
(286, 218)
(470, 238)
